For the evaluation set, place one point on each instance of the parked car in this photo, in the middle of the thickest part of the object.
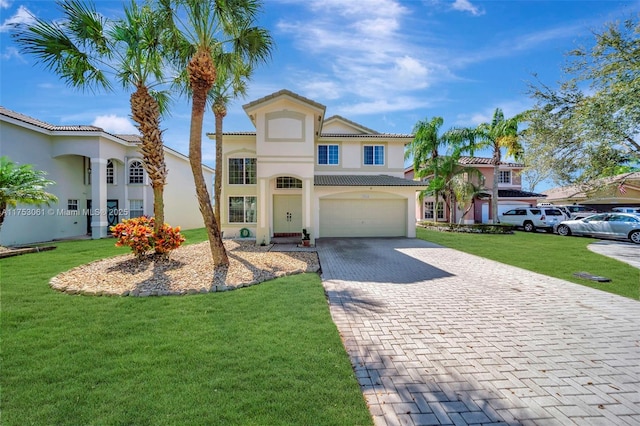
(565, 211)
(626, 209)
(532, 218)
(578, 211)
(604, 225)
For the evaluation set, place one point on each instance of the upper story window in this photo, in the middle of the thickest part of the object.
(504, 176)
(288, 182)
(110, 172)
(242, 171)
(136, 172)
(328, 154)
(374, 155)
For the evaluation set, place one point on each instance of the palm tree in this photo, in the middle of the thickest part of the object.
(500, 134)
(22, 184)
(85, 48)
(424, 148)
(210, 27)
(231, 82)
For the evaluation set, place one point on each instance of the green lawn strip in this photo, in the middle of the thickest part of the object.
(548, 254)
(268, 354)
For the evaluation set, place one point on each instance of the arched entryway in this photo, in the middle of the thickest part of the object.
(287, 207)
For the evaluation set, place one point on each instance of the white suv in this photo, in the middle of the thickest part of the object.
(532, 218)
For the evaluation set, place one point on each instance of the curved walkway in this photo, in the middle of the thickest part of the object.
(437, 336)
(622, 251)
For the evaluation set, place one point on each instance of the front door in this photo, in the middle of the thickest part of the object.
(287, 215)
(112, 215)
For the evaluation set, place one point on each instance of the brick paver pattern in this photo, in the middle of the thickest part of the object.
(437, 336)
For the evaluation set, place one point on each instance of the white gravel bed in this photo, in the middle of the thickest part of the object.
(188, 271)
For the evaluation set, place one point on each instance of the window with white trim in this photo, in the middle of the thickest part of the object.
(136, 209)
(374, 155)
(110, 172)
(72, 204)
(136, 172)
(504, 176)
(328, 155)
(428, 210)
(288, 182)
(242, 209)
(242, 171)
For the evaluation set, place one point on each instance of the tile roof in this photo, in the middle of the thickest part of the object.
(485, 160)
(365, 135)
(516, 193)
(364, 180)
(47, 126)
(332, 135)
(353, 123)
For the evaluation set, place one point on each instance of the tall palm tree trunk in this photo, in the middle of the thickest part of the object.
(202, 76)
(220, 111)
(146, 112)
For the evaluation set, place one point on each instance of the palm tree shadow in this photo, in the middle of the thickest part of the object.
(159, 282)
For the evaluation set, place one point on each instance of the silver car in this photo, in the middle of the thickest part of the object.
(604, 225)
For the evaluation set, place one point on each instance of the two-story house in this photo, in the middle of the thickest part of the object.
(100, 179)
(298, 170)
(510, 193)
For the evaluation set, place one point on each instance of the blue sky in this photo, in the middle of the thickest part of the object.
(382, 63)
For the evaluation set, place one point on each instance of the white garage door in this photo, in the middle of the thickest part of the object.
(363, 218)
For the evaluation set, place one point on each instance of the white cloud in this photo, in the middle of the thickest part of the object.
(11, 52)
(114, 124)
(466, 6)
(22, 16)
(4, 4)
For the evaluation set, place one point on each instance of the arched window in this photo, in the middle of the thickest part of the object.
(288, 182)
(110, 172)
(136, 172)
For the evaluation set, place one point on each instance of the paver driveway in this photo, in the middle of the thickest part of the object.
(437, 336)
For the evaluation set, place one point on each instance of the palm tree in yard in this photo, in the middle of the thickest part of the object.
(427, 162)
(202, 30)
(86, 49)
(501, 133)
(22, 184)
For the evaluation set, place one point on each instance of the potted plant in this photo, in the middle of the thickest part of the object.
(306, 238)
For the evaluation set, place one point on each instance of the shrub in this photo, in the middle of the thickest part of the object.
(138, 234)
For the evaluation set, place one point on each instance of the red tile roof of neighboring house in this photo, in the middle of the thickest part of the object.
(486, 160)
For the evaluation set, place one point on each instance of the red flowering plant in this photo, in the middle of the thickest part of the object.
(137, 233)
(168, 239)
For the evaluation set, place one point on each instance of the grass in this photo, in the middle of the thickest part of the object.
(547, 254)
(268, 354)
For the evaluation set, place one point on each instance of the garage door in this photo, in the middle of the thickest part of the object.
(363, 218)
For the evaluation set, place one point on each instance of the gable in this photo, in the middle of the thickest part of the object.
(340, 125)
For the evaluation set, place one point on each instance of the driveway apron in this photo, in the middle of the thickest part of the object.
(437, 336)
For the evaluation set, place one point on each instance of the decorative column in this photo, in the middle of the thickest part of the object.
(264, 218)
(307, 210)
(99, 220)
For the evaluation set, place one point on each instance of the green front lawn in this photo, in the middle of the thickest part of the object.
(265, 355)
(547, 254)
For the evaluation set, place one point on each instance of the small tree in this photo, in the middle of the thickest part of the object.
(22, 184)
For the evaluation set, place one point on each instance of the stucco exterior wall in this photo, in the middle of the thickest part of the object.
(76, 161)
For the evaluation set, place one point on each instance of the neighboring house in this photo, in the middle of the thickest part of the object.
(298, 170)
(606, 193)
(99, 179)
(510, 193)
